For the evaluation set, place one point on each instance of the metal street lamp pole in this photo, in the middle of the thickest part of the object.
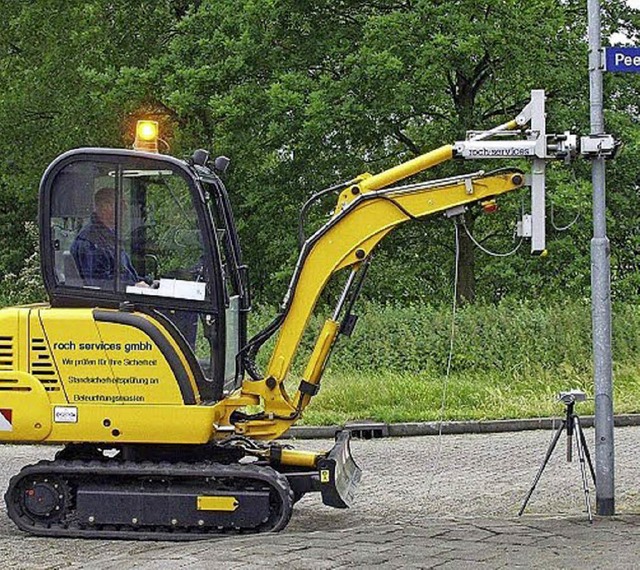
(600, 284)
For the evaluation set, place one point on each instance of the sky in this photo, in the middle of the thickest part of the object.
(621, 38)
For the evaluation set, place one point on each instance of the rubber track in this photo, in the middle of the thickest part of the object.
(74, 471)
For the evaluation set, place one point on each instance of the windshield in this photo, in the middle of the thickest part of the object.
(130, 227)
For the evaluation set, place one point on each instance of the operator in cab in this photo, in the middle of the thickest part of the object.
(94, 248)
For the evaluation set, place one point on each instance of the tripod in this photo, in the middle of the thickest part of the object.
(572, 424)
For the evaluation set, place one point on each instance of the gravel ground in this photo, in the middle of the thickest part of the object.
(423, 502)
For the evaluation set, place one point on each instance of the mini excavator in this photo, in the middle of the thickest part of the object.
(139, 365)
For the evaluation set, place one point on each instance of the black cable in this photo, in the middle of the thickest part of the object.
(357, 288)
(250, 350)
(302, 218)
(247, 355)
(400, 207)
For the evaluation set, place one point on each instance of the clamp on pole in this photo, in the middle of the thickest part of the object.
(599, 146)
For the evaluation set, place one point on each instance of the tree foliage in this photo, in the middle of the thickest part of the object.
(301, 95)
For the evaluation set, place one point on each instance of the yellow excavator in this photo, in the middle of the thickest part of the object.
(139, 365)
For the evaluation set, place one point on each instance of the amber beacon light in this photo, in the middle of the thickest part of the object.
(146, 136)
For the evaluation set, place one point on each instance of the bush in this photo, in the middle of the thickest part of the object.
(513, 336)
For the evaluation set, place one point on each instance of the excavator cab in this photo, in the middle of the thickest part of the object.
(149, 233)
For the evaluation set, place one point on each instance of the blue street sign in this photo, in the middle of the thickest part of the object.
(624, 59)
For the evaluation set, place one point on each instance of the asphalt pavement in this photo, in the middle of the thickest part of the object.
(424, 502)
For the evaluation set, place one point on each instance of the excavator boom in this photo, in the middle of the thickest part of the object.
(367, 209)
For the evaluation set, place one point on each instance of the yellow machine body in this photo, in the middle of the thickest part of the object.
(66, 377)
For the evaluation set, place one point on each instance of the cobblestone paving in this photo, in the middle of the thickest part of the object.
(424, 502)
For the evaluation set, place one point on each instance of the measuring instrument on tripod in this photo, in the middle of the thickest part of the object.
(570, 423)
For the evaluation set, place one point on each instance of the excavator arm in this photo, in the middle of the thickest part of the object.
(368, 208)
(363, 217)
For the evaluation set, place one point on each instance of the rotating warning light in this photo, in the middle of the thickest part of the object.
(146, 136)
(147, 130)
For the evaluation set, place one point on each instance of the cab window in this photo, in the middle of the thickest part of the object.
(127, 227)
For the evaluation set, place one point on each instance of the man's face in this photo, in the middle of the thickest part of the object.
(107, 213)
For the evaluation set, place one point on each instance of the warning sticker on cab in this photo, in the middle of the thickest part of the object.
(6, 417)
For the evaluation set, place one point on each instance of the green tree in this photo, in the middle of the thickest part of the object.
(303, 94)
(69, 71)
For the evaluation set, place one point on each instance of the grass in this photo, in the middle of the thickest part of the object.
(509, 361)
(400, 397)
